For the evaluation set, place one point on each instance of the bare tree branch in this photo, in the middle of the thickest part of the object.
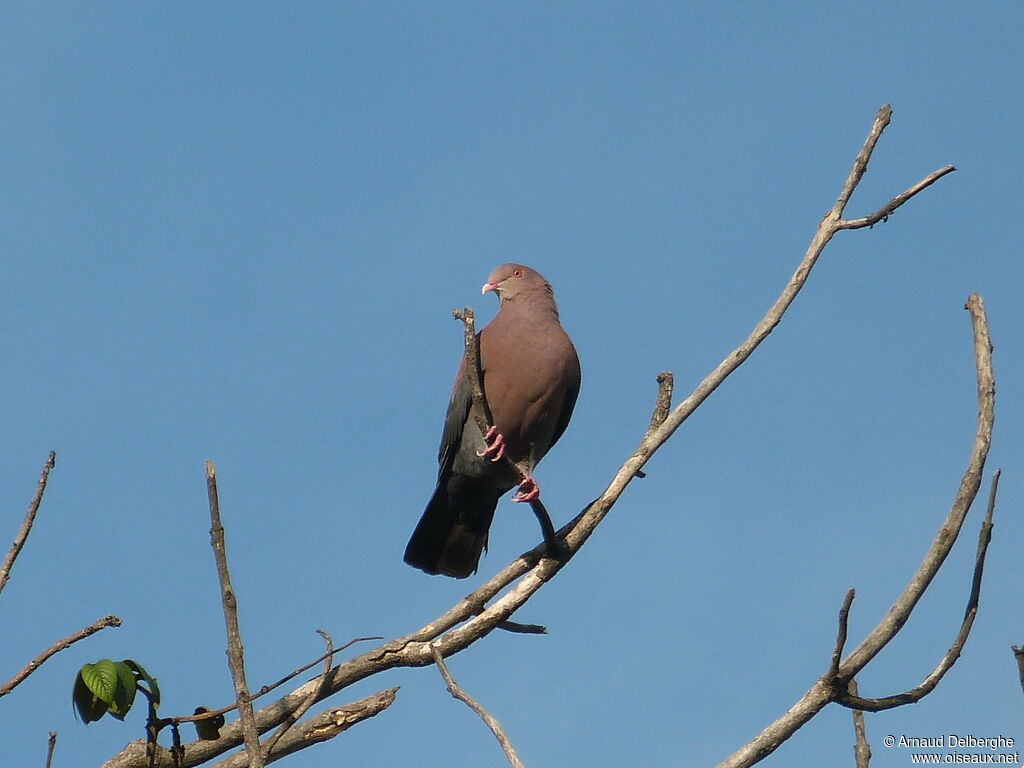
(844, 617)
(320, 728)
(883, 213)
(26, 524)
(969, 485)
(208, 714)
(489, 720)
(313, 730)
(828, 688)
(472, 618)
(236, 660)
(970, 612)
(861, 748)
(51, 744)
(662, 406)
(60, 645)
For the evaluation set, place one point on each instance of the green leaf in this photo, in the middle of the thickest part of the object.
(90, 707)
(101, 679)
(208, 730)
(124, 694)
(143, 676)
(106, 686)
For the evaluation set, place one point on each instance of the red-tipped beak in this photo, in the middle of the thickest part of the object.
(489, 287)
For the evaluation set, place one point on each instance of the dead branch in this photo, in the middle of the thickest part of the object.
(831, 687)
(489, 720)
(60, 645)
(844, 617)
(314, 730)
(236, 660)
(883, 213)
(854, 701)
(26, 524)
(861, 747)
(51, 744)
(208, 714)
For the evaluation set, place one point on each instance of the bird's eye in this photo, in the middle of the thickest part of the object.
(517, 273)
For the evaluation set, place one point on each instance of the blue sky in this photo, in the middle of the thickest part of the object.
(236, 233)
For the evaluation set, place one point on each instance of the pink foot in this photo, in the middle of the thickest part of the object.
(496, 445)
(528, 490)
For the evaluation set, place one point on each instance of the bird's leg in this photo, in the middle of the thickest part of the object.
(528, 490)
(495, 445)
(557, 549)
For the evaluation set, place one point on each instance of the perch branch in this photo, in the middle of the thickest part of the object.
(26, 524)
(469, 620)
(60, 645)
(236, 655)
(489, 720)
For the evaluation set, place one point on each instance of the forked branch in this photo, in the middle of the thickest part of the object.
(832, 686)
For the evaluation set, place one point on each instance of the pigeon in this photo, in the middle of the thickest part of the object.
(531, 378)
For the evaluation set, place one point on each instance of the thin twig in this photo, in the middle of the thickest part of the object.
(860, 165)
(523, 629)
(313, 697)
(662, 406)
(886, 210)
(970, 612)
(51, 744)
(844, 616)
(861, 747)
(489, 720)
(211, 713)
(236, 655)
(60, 645)
(26, 524)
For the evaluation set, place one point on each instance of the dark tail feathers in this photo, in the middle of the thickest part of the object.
(451, 533)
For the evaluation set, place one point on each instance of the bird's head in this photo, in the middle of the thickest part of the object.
(512, 280)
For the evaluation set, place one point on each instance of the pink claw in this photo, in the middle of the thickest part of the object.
(496, 446)
(528, 490)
